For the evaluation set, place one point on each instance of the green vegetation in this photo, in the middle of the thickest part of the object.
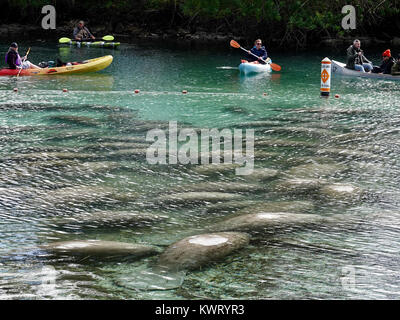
(296, 22)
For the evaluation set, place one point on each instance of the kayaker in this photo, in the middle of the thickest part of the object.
(387, 63)
(396, 67)
(259, 51)
(81, 32)
(356, 59)
(14, 60)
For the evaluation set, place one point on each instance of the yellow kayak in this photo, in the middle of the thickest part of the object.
(91, 65)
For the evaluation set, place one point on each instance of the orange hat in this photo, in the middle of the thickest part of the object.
(387, 53)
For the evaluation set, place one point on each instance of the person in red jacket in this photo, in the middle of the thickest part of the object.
(387, 62)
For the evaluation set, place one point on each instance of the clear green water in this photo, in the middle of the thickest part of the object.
(292, 262)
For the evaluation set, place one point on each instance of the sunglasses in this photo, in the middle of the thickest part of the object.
(258, 44)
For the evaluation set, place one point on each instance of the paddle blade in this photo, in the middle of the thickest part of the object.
(275, 67)
(108, 38)
(234, 44)
(64, 40)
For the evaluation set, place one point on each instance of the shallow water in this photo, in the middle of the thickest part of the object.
(87, 138)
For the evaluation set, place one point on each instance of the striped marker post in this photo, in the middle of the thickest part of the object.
(325, 77)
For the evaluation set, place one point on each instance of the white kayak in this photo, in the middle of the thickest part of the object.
(340, 69)
(247, 68)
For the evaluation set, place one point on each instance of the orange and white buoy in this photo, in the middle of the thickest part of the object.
(325, 77)
(184, 91)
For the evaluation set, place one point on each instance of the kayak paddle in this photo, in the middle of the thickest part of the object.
(67, 40)
(236, 45)
(26, 56)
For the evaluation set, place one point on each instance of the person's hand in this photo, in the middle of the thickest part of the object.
(360, 53)
(248, 51)
(93, 37)
(24, 57)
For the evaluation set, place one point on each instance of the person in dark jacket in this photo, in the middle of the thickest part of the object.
(387, 63)
(14, 61)
(81, 32)
(259, 51)
(396, 67)
(356, 59)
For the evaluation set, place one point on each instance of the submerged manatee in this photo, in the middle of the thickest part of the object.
(316, 170)
(265, 220)
(341, 191)
(222, 187)
(262, 174)
(98, 248)
(210, 169)
(47, 156)
(196, 251)
(196, 197)
(273, 142)
(278, 206)
(298, 186)
(81, 195)
(110, 219)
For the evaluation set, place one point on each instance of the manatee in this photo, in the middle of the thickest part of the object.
(80, 195)
(278, 206)
(347, 153)
(210, 169)
(98, 248)
(128, 153)
(306, 131)
(115, 146)
(222, 187)
(262, 174)
(91, 167)
(257, 124)
(71, 134)
(193, 197)
(79, 120)
(316, 170)
(110, 219)
(196, 251)
(273, 142)
(124, 138)
(230, 205)
(264, 220)
(341, 191)
(331, 110)
(298, 185)
(351, 137)
(264, 155)
(44, 156)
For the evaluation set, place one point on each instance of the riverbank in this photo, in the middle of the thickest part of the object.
(130, 32)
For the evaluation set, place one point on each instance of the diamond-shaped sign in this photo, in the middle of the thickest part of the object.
(324, 75)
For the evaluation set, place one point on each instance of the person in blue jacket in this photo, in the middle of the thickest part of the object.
(258, 50)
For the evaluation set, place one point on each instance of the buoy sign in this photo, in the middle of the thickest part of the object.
(325, 77)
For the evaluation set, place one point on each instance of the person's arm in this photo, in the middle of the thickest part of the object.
(365, 58)
(89, 33)
(265, 55)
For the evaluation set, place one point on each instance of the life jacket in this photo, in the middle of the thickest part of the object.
(13, 59)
